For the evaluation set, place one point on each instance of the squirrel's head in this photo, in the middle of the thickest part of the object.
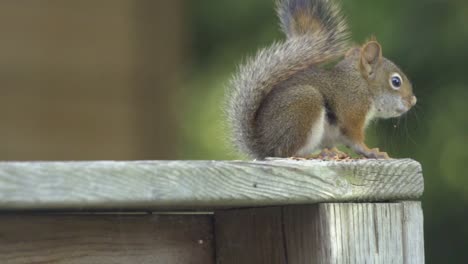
(392, 91)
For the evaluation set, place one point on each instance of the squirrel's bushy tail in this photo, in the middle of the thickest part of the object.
(316, 33)
(316, 17)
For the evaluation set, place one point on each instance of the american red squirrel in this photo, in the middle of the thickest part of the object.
(283, 103)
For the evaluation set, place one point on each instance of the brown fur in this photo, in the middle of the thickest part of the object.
(285, 117)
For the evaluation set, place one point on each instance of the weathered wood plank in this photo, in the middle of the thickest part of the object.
(174, 185)
(106, 239)
(413, 232)
(249, 236)
(332, 233)
(354, 233)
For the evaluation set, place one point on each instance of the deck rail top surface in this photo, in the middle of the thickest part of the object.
(202, 185)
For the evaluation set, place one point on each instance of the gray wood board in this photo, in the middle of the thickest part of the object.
(192, 185)
(250, 236)
(73, 239)
(335, 233)
(355, 233)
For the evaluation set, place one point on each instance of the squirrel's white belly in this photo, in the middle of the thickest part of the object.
(331, 136)
(321, 135)
(315, 137)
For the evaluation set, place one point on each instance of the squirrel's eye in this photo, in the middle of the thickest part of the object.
(396, 81)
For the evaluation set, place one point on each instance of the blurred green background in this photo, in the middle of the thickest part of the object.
(142, 79)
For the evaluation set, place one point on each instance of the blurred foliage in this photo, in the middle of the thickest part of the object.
(427, 38)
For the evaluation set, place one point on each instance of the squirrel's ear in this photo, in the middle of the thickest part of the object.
(371, 56)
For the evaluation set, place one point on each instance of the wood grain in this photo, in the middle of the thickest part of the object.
(102, 239)
(249, 236)
(335, 233)
(355, 233)
(182, 185)
(413, 232)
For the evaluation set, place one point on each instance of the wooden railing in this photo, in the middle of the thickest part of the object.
(274, 211)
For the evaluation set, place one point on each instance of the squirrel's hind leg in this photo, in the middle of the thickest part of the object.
(290, 122)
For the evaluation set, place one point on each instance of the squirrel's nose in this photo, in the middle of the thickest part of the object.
(413, 101)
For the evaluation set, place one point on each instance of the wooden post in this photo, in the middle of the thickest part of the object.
(274, 211)
(323, 233)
